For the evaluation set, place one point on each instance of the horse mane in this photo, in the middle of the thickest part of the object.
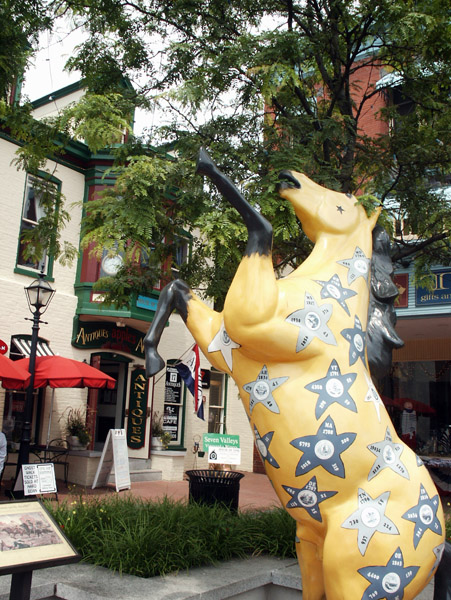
(381, 336)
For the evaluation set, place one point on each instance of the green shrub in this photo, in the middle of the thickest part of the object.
(142, 538)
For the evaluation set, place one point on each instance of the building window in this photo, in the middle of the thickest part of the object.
(33, 210)
(216, 403)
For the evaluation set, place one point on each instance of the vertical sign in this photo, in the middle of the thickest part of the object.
(172, 403)
(137, 409)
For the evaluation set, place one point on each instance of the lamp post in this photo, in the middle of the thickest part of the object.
(39, 294)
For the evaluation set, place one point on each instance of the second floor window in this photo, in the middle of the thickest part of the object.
(32, 211)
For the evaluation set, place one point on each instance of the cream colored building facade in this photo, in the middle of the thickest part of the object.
(77, 326)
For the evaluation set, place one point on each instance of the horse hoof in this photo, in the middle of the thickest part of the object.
(154, 363)
(204, 163)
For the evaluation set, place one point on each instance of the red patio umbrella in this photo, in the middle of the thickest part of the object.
(419, 407)
(61, 372)
(13, 375)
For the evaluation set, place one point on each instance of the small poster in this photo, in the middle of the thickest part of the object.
(224, 455)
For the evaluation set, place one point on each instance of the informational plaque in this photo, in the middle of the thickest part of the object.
(37, 479)
(31, 539)
(115, 453)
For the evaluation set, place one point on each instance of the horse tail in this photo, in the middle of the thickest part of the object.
(381, 335)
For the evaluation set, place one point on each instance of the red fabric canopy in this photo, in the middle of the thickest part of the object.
(419, 407)
(14, 376)
(60, 372)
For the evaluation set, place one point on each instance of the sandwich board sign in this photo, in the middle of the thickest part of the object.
(115, 453)
(37, 479)
(222, 448)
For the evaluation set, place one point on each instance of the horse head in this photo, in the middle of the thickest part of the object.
(321, 210)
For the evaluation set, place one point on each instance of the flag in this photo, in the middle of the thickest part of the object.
(189, 370)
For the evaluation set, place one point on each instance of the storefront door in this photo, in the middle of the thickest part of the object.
(110, 403)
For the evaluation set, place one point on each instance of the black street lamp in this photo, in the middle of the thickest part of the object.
(39, 294)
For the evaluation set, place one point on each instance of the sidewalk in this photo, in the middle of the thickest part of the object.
(256, 492)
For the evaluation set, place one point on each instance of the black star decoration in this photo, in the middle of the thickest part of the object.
(263, 443)
(308, 497)
(358, 265)
(388, 456)
(333, 388)
(424, 515)
(312, 322)
(334, 289)
(323, 449)
(390, 580)
(356, 338)
(261, 390)
(340, 209)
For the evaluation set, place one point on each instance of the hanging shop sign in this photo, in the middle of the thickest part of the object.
(173, 386)
(137, 409)
(172, 415)
(441, 292)
(107, 336)
(172, 420)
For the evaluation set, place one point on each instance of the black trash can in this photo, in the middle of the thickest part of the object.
(209, 487)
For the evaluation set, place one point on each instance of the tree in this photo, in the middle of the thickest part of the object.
(269, 85)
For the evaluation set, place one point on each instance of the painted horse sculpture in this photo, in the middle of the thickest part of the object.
(369, 519)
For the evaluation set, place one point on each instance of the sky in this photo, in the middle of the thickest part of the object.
(46, 73)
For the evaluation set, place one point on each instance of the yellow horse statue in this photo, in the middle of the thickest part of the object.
(369, 520)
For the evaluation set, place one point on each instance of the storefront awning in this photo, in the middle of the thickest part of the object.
(21, 348)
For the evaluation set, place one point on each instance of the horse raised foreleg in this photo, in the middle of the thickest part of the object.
(254, 280)
(259, 229)
(202, 321)
(175, 295)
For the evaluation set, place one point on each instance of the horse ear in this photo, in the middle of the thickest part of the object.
(375, 215)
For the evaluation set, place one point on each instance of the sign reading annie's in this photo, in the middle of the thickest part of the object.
(440, 294)
(107, 336)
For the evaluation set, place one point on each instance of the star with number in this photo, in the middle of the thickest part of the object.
(358, 265)
(263, 443)
(332, 388)
(224, 344)
(312, 322)
(390, 580)
(373, 396)
(323, 449)
(356, 338)
(387, 454)
(369, 518)
(424, 515)
(308, 498)
(261, 390)
(334, 289)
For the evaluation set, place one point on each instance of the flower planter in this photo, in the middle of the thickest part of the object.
(74, 443)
